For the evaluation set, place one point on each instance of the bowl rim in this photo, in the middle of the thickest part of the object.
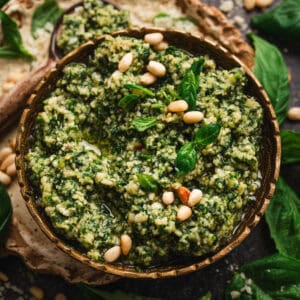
(164, 271)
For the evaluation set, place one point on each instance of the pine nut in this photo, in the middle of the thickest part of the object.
(183, 194)
(184, 212)
(60, 296)
(112, 254)
(168, 198)
(3, 277)
(294, 113)
(156, 68)
(263, 3)
(5, 179)
(153, 38)
(178, 106)
(161, 46)
(37, 292)
(192, 117)
(147, 79)
(125, 62)
(249, 4)
(4, 152)
(195, 197)
(126, 243)
(8, 161)
(11, 170)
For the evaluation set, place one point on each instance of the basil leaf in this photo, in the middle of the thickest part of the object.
(272, 72)
(189, 85)
(270, 278)
(147, 182)
(138, 89)
(3, 2)
(128, 101)
(96, 294)
(283, 21)
(13, 47)
(48, 12)
(186, 158)
(5, 210)
(290, 143)
(144, 123)
(283, 218)
(207, 134)
(188, 89)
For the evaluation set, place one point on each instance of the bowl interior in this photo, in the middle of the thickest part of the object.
(269, 167)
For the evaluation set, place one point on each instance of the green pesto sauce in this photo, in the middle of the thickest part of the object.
(86, 155)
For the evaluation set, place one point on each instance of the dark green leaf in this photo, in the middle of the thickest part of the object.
(144, 123)
(147, 182)
(48, 12)
(272, 72)
(290, 143)
(128, 101)
(3, 2)
(186, 158)
(283, 218)
(5, 210)
(270, 278)
(188, 89)
(138, 89)
(283, 21)
(207, 134)
(189, 85)
(97, 294)
(13, 47)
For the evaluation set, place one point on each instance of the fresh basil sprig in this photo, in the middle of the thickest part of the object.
(189, 86)
(91, 293)
(271, 278)
(13, 46)
(147, 182)
(144, 123)
(128, 101)
(283, 218)
(272, 72)
(283, 21)
(138, 89)
(290, 144)
(187, 155)
(48, 12)
(5, 210)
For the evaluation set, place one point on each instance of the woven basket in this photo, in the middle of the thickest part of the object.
(270, 155)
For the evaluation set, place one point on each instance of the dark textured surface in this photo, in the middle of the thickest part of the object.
(190, 287)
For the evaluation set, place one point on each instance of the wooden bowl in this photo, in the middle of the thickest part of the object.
(270, 155)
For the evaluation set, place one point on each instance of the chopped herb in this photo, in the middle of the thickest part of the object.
(147, 182)
(128, 101)
(144, 123)
(138, 89)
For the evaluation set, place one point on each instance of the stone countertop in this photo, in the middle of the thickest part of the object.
(190, 287)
